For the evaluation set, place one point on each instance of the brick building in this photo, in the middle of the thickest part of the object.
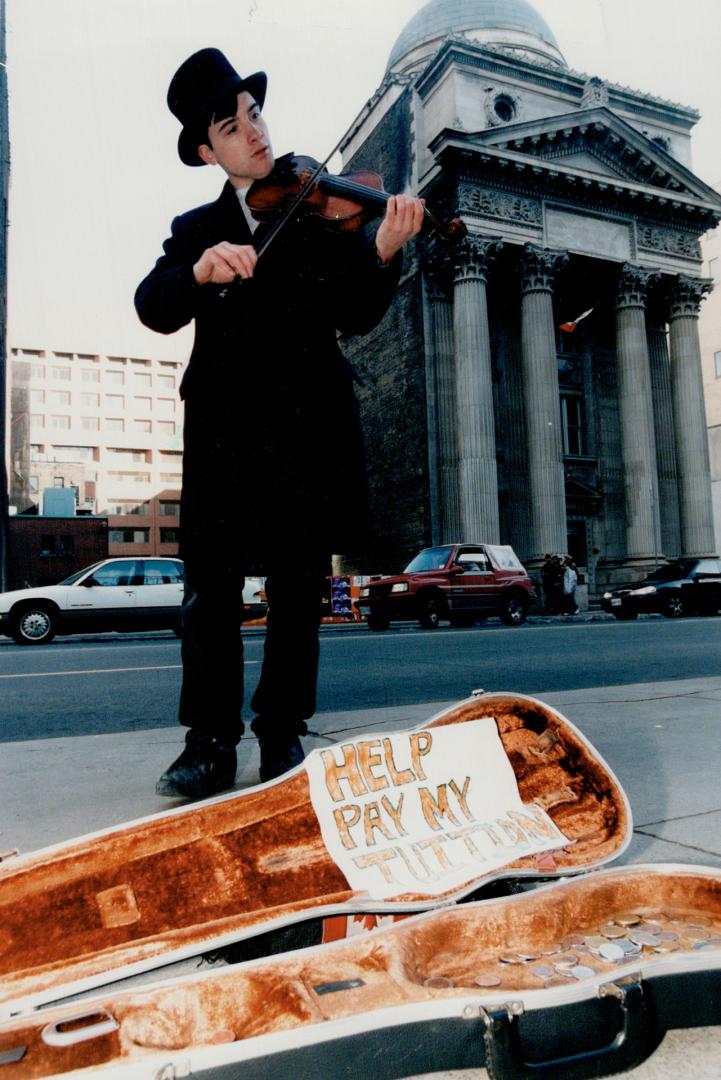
(484, 420)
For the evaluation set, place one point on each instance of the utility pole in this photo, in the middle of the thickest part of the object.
(4, 185)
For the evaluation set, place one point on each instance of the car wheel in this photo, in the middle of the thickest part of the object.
(513, 610)
(378, 623)
(33, 626)
(625, 616)
(461, 621)
(431, 611)
(675, 606)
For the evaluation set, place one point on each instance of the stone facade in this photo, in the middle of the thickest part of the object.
(484, 420)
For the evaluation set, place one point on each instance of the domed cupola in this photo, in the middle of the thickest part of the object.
(508, 24)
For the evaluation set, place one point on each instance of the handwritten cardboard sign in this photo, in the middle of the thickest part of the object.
(424, 811)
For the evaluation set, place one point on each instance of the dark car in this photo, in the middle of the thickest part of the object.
(458, 582)
(681, 587)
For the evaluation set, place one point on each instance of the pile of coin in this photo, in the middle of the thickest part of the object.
(623, 938)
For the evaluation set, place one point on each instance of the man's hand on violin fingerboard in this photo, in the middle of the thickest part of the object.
(403, 219)
(224, 262)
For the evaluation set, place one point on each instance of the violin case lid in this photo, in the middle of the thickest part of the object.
(174, 885)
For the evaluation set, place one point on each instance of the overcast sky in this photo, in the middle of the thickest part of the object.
(95, 176)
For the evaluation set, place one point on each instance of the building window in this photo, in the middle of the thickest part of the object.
(166, 406)
(128, 536)
(37, 397)
(140, 378)
(165, 380)
(573, 425)
(166, 427)
(90, 401)
(60, 423)
(60, 374)
(169, 509)
(37, 371)
(123, 507)
(89, 375)
(58, 481)
(115, 377)
(34, 485)
(57, 545)
(114, 423)
(90, 423)
(60, 397)
(172, 478)
(146, 426)
(37, 420)
(130, 477)
(128, 457)
(115, 401)
(72, 453)
(169, 536)
(504, 108)
(717, 364)
(143, 404)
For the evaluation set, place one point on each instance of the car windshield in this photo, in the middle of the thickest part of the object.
(679, 569)
(78, 574)
(434, 558)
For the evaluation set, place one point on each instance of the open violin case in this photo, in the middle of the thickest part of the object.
(580, 977)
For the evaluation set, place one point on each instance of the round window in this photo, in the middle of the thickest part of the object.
(504, 107)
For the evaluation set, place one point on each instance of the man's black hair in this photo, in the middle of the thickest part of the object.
(227, 106)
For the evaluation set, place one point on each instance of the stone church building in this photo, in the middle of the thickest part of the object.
(484, 421)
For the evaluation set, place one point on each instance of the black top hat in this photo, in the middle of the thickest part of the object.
(197, 87)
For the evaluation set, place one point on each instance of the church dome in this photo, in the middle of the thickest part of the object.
(513, 24)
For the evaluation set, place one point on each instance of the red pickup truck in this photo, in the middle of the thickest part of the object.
(458, 582)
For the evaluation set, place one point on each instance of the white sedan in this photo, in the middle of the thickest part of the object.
(122, 594)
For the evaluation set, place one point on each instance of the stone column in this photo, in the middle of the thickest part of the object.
(692, 456)
(638, 445)
(477, 473)
(441, 382)
(547, 493)
(663, 424)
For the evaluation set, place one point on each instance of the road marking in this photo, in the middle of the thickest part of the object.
(99, 671)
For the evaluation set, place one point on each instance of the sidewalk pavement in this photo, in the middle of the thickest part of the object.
(660, 739)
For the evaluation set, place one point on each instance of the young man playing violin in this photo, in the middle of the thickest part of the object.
(273, 474)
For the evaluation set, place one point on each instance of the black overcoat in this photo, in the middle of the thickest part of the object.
(273, 451)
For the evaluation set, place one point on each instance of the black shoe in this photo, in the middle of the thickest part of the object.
(205, 768)
(278, 757)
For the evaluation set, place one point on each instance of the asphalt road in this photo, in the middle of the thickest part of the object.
(75, 686)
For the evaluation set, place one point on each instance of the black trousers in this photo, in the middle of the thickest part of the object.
(211, 697)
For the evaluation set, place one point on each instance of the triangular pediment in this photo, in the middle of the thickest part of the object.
(599, 142)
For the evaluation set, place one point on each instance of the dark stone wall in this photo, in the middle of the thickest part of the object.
(391, 362)
(389, 149)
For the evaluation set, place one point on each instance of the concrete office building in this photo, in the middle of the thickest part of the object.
(110, 426)
(484, 420)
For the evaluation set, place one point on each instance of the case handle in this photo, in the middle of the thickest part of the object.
(103, 1025)
(637, 1037)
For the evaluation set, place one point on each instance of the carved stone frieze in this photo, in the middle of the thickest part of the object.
(669, 241)
(633, 285)
(499, 204)
(473, 257)
(686, 294)
(539, 267)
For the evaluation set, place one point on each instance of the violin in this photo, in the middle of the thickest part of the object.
(344, 203)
